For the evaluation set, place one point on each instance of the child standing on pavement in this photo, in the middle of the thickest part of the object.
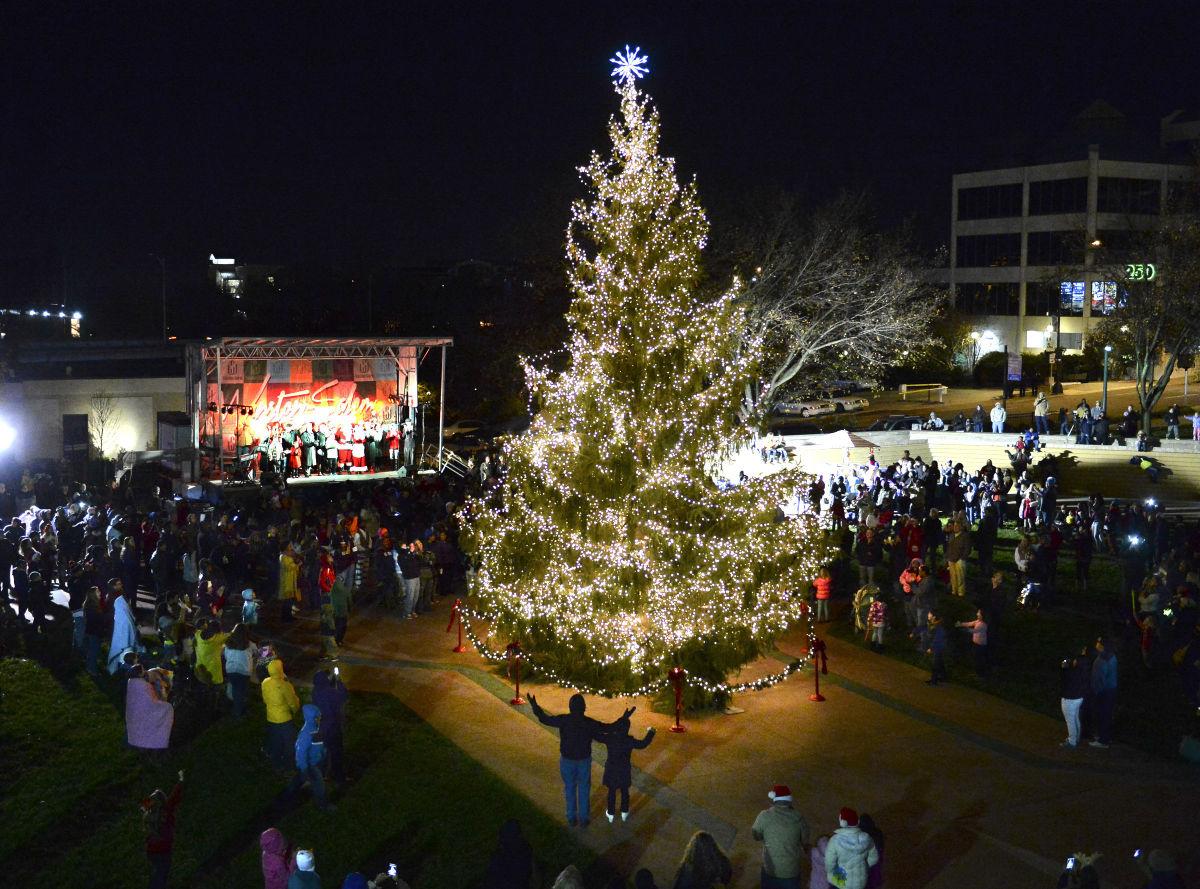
(876, 622)
(618, 768)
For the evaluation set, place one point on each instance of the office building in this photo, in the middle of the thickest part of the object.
(1020, 260)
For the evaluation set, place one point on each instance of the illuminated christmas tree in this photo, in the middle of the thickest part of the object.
(609, 552)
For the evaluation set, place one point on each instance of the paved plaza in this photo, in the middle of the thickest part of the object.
(970, 790)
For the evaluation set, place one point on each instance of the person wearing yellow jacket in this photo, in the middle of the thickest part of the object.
(210, 644)
(289, 587)
(279, 696)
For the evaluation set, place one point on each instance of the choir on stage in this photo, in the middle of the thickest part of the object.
(318, 449)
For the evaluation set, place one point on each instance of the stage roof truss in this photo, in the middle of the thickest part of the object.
(327, 347)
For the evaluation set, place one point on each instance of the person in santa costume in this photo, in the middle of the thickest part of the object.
(393, 445)
(359, 445)
(344, 451)
(294, 456)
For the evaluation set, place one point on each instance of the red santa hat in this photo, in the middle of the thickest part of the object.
(848, 817)
(780, 794)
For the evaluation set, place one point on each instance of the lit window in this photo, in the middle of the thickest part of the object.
(1035, 339)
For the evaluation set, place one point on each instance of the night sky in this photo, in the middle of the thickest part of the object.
(370, 134)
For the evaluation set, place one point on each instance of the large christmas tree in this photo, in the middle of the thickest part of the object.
(609, 552)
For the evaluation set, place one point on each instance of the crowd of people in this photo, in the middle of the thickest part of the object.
(190, 598)
(911, 529)
(1085, 423)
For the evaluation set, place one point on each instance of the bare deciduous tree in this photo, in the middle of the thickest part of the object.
(105, 416)
(1157, 319)
(829, 297)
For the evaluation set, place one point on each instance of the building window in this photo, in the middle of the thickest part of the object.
(1054, 298)
(977, 251)
(1118, 247)
(1057, 196)
(1107, 297)
(1035, 339)
(1121, 195)
(989, 201)
(1054, 248)
(75, 436)
(1070, 341)
(988, 299)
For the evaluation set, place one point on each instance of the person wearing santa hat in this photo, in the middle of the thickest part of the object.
(850, 853)
(785, 836)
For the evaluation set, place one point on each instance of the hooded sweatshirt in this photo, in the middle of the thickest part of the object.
(310, 748)
(575, 731)
(330, 698)
(849, 857)
(276, 862)
(278, 694)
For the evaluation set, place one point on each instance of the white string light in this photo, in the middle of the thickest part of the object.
(608, 550)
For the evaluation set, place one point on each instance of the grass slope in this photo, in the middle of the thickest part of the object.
(1152, 712)
(70, 791)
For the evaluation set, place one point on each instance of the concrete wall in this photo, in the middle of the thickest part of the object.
(1085, 469)
(35, 408)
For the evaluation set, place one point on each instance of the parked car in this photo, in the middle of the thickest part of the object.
(892, 422)
(463, 427)
(846, 402)
(784, 426)
(814, 408)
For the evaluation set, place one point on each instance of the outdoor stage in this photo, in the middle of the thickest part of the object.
(244, 392)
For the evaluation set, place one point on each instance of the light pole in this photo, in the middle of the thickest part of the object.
(1104, 396)
(975, 334)
(163, 264)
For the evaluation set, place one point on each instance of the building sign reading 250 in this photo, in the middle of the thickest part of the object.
(1141, 271)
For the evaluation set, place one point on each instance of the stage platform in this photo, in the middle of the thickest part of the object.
(231, 484)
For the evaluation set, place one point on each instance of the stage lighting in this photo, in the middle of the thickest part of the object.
(7, 436)
(212, 407)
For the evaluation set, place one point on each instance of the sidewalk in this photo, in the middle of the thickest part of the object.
(970, 790)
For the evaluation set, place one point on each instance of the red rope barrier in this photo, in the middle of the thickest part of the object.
(819, 654)
(456, 618)
(676, 675)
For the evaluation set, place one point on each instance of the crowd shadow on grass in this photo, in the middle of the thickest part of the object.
(927, 848)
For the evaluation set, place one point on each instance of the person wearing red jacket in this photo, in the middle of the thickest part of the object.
(824, 587)
(912, 538)
(158, 814)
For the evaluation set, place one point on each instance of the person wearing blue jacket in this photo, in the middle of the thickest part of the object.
(330, 695)
(310, 753)
(937, 649)
(1104, 691)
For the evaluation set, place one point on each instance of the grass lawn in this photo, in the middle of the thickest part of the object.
(70, 793)
(1152, 713)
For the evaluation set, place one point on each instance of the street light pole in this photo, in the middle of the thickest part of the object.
(1104, 396)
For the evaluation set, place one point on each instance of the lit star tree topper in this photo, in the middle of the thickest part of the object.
(630, 65)
(608, 551)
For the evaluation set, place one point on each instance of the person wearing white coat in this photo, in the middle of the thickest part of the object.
(850, 853)
(998, 416)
